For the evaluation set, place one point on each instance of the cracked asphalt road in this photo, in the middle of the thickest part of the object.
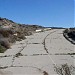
(37, 55)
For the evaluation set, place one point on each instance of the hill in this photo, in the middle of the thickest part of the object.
(11, 32)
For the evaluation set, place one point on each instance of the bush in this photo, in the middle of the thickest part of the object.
(2, 49)
(12, 39)
(69, 34)
(21, 36)
(63, 70)
(65, 31)
(1, 36)
(6, 32)
(4, 42)
(27, 33)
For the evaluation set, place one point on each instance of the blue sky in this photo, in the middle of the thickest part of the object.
(58, 13)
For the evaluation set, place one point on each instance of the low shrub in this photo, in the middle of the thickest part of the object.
(22, 37)
(69, 34)
(6, 32)
(65, 31)
(12, 39)
(27, 33)
(65, 69)
(4, 42)
(2, 49)
(1, 36)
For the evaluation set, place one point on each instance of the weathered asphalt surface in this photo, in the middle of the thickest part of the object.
(37, 55)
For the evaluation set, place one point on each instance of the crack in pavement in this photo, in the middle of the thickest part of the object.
(47, 49)
(18, 52)
(40, 70)
(44, 72)
(34, 43)
(45, 39)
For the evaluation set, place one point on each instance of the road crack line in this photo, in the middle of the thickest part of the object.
(44, 43)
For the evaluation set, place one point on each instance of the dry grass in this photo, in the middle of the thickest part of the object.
(64, 70)
(45, 73)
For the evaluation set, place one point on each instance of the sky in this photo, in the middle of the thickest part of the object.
(56, 13)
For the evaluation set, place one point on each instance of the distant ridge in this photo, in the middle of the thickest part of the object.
(56, 27)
